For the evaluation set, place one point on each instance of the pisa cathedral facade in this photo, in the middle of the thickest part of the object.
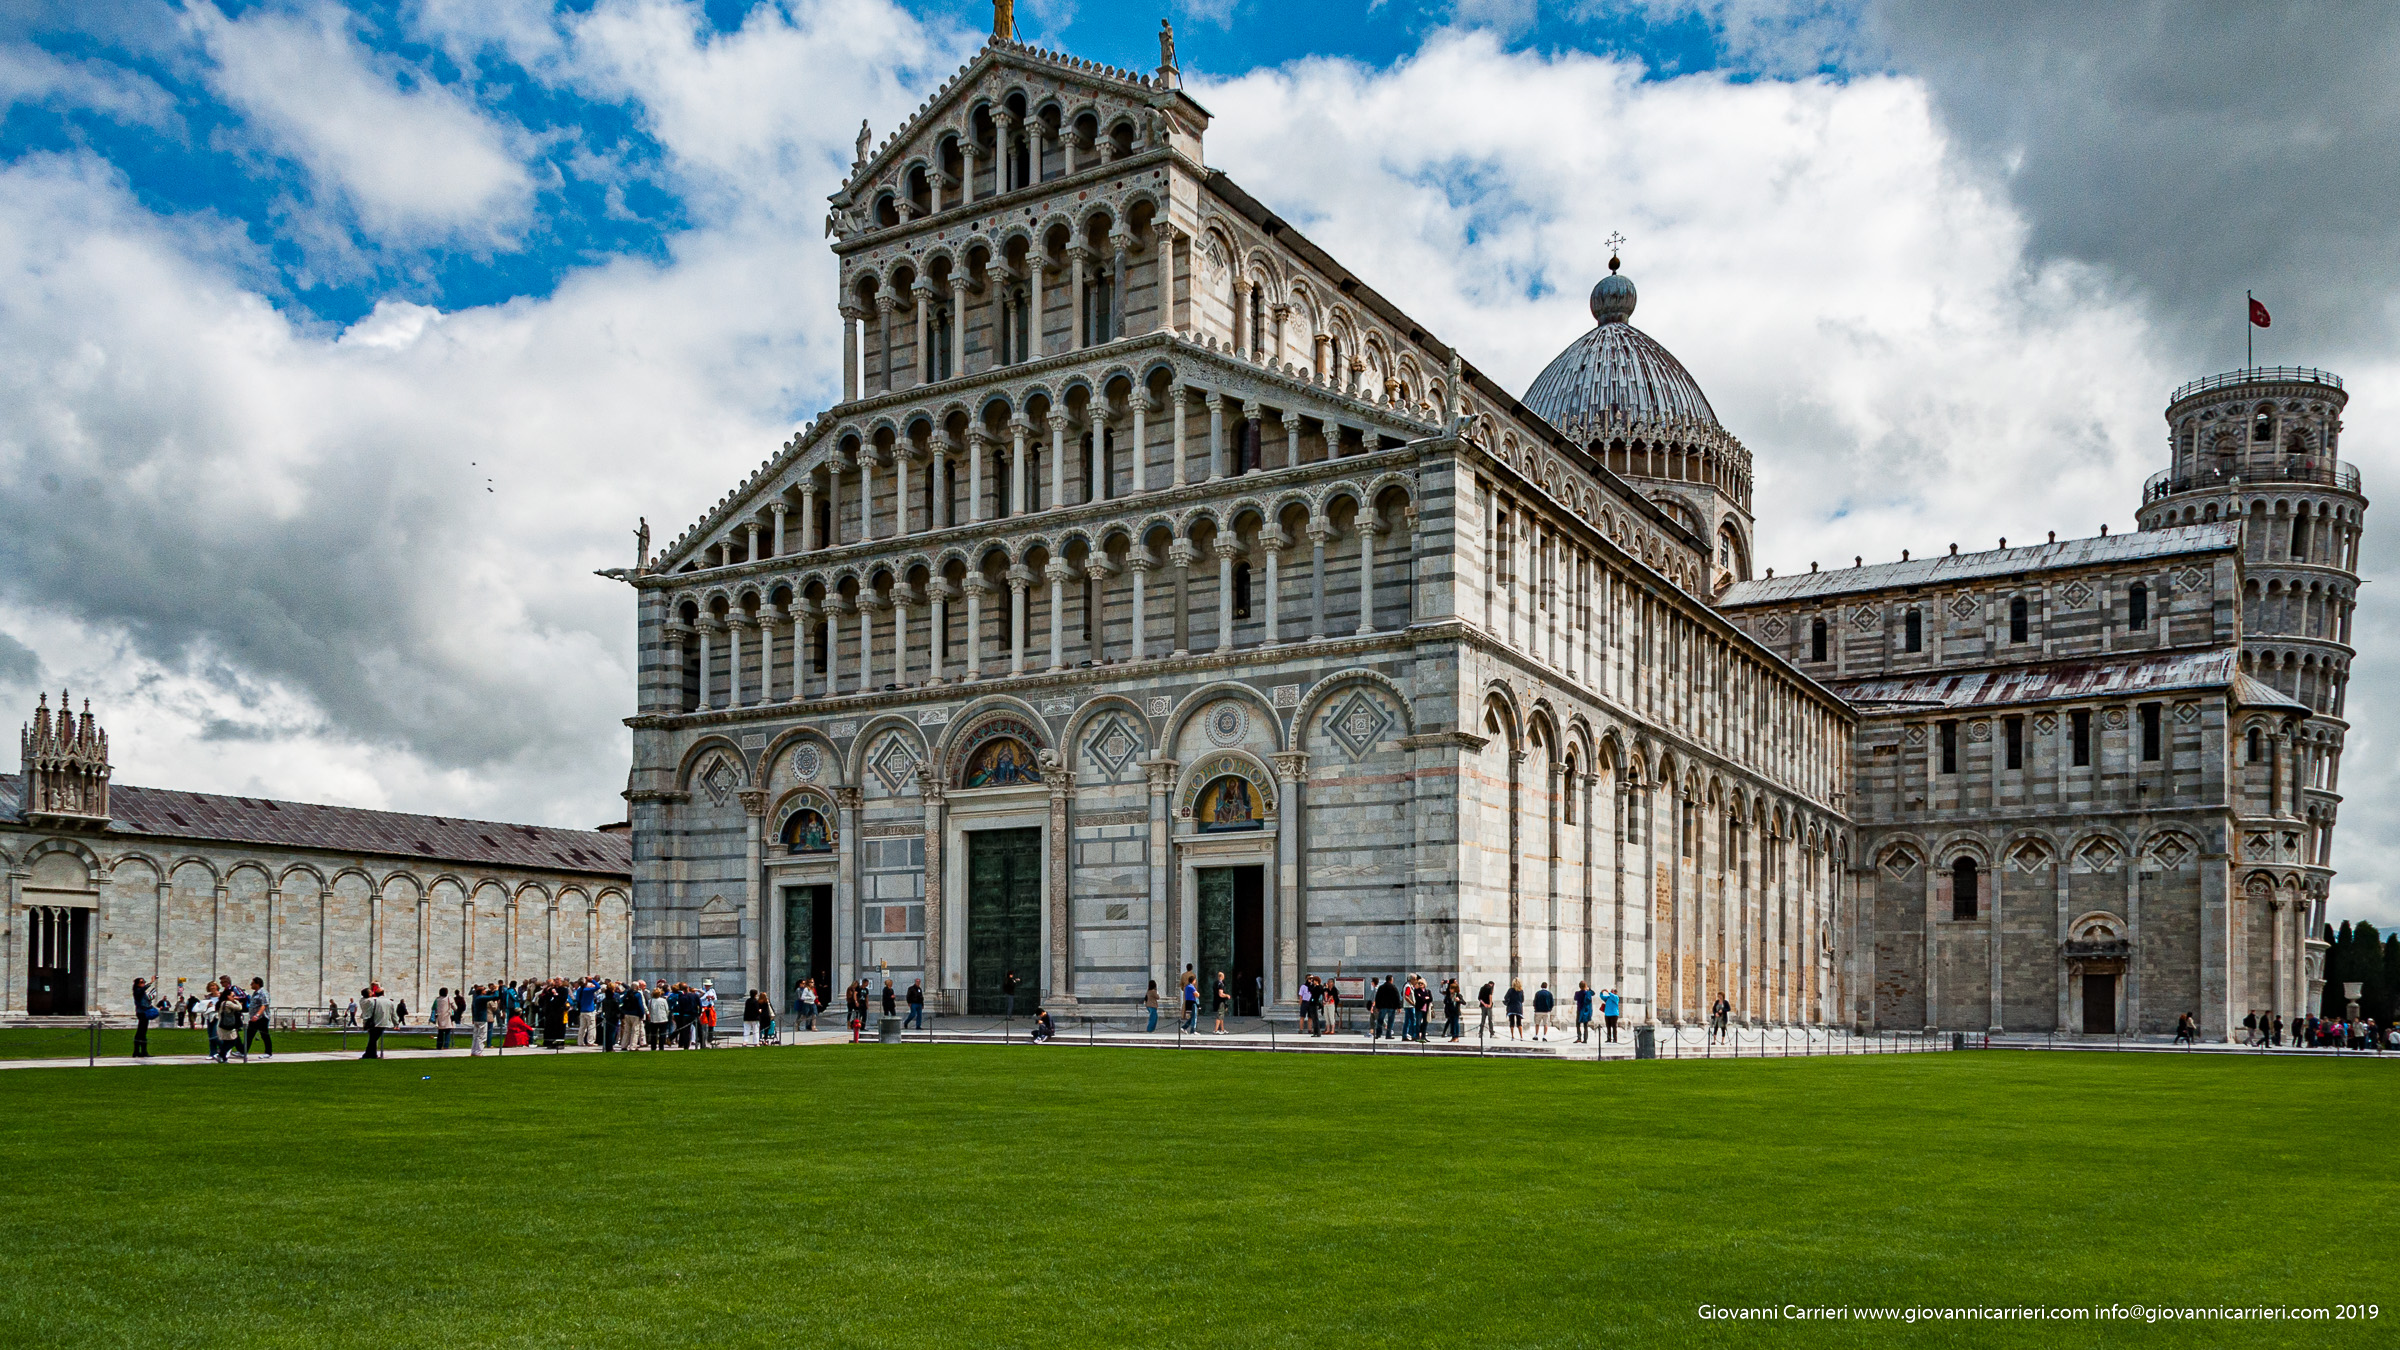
(1161, 596)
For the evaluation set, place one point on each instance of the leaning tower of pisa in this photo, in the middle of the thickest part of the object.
(2263, 445)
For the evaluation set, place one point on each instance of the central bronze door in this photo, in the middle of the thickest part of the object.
(1232, 913)
(1004, 919)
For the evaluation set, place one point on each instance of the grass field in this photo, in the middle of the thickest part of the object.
(991, 1197)
(76, 1042)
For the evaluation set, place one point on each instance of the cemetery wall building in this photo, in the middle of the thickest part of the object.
(1161, 596)
(108, 883)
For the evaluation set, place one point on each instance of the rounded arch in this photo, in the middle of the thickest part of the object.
(870, 735)
(1210, 693)
(1192, 779)
(829, 756)
(972, 726)
(702, 752)
(1320, 695)
(1082, 718)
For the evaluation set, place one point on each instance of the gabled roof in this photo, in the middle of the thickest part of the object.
(1001, 51)
(200, 816)
(2055, 681)
(1960, 569)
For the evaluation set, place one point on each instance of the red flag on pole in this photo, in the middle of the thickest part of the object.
(2258, 315)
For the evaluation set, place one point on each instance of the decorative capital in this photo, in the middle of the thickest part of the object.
(848, 798)
(1291, 765)
(754, 801)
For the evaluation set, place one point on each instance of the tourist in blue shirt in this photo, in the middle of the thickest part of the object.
(1583, 1011)
(587, 1003)
(1608, 1012)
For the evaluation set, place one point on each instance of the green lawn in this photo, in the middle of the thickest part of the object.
(981, 1196)
(76, 1042)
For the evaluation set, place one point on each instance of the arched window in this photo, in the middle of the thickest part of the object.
(1229, 803)
(1914, 641)
(2300, 535)
(1964, 880)
(1816, 640)
(2016, 619)
(2257, 741)
(2137, 606)
(1241, 590)
(1570, 787)
(806, 832)
(2262, 426)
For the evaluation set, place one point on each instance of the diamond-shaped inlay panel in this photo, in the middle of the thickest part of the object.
(2077, 594)
(1963, 606)
(2097, 856)
(1111, 747)
(2170, 852)
(1865, 618)
(1916, 734)
(893, 761)
(719, 780)
(2189, 579)
(2045, 724)
(2187, 713)
(1773, 627)
(1358, 723)
(2029, 856)
(1899, 862)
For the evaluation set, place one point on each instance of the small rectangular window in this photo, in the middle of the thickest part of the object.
(2151, 730)
(2016, 619)
(1949, 733)
(1915, 641)
(2079, 727)
(1966, 900)
(1816, 640)
(2012, 732)
(2137, 607)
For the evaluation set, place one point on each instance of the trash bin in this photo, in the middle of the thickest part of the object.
(1958, 1040)
(888, 1031)
(1645, 1042)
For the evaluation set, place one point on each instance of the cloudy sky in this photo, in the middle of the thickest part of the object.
(338, 346)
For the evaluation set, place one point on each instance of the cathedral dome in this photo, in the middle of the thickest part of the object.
(1616, 373)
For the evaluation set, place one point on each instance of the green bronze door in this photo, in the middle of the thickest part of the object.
(1004, 918)
(807, 942)
(1231, 937)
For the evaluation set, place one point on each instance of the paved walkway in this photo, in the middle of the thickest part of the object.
(1253, 1034)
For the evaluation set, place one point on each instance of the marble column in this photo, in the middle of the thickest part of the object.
(1180, 555)
(1057, 572)
(735, 626)
(754, 810)
(944, 590)
(1163, 240)
(852, 316)
(837, 605)
(708, 625)
(1062, 947)
(1018, 429)
(1318, 535)
(1140, 403)
(804, 623)
(1274, 543)
(1141, 562)
(1180, 399)
(1291, 907)
(976, 441)
(977, 588)
(1227, 550)
(781, 509)
(1368, 528)
(1216, 435)
(930, 791)
(1164, 950)
(808, 514)
(1078, 257)
(904, 604)
(1020, 577)
(869, 605)
(883, 338)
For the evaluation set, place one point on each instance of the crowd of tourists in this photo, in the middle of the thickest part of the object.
(1400, 1008)
(2312, 1033)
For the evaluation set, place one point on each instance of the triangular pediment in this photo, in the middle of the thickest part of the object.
(1005, 75)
